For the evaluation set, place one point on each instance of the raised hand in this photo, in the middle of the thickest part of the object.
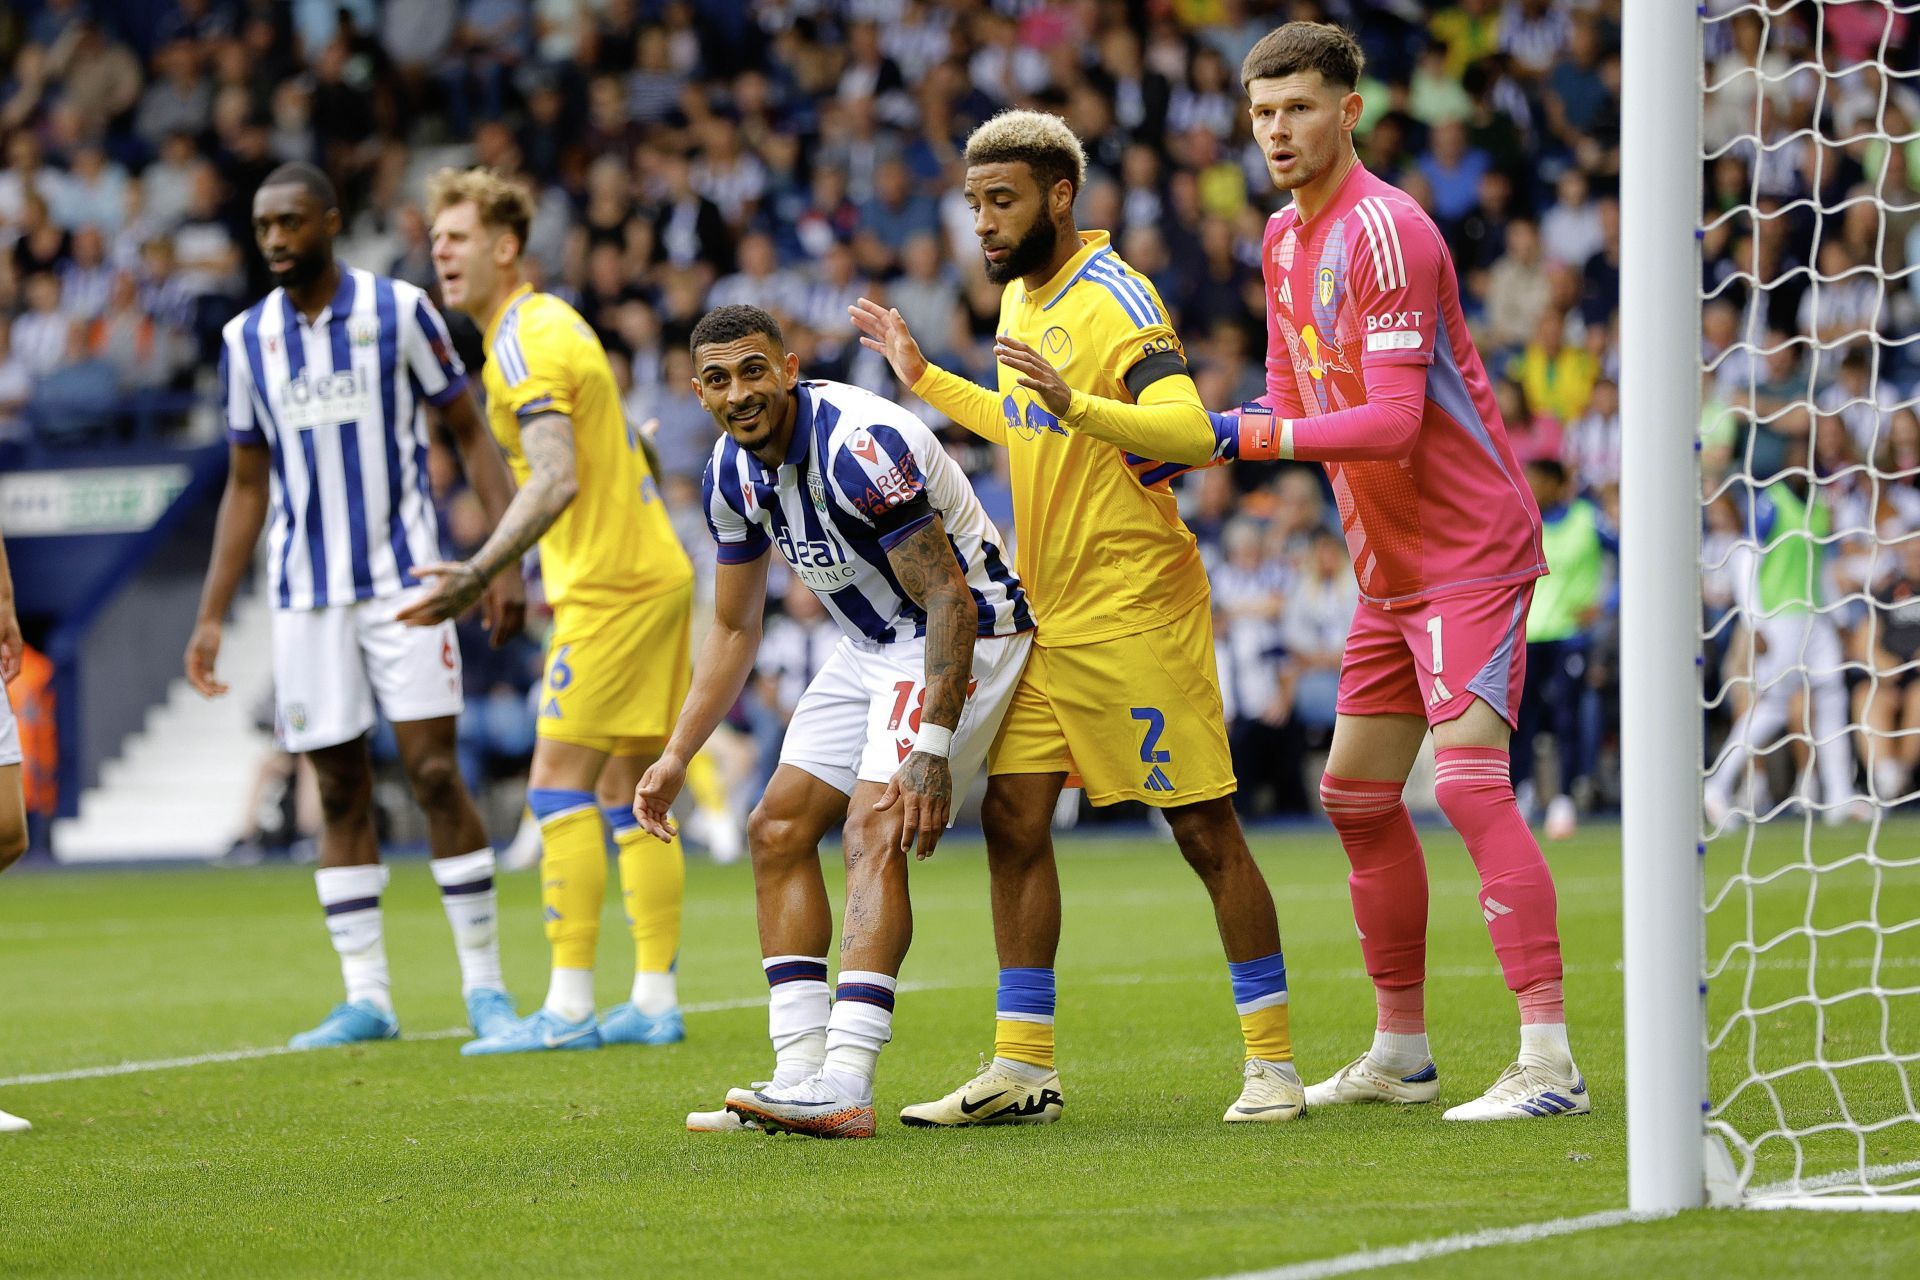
(1037, 375)
(883, 329)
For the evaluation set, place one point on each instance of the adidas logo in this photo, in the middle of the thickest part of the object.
(1493, 910)
(1440, 693)
(1157, 780)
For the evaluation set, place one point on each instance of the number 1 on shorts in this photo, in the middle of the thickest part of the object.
(1433, 630)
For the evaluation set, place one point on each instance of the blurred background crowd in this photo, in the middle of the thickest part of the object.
(801, 153)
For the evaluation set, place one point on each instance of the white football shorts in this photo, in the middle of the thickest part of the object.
(9, 731)
(333, 666)
(858, 718)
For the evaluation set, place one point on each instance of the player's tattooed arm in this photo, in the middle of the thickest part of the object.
(547, 443)
(930, 573)
(504, 604)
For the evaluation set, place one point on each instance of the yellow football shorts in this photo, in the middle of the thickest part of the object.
(616, 677)
(1135, 718)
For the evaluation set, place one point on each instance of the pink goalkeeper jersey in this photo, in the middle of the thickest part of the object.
(1370, 282)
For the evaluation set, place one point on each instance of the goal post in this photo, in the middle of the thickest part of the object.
(1770, 590)
(1660, 734)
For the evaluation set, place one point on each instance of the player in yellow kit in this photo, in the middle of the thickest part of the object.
(621, 588)
(1120, 694)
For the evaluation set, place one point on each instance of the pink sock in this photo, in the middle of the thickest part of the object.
(1402, 1011)
(1543, 1002)
(1388, 883)
(1475, 789)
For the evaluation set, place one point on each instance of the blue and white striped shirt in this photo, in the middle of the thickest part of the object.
(861, 475)
(340, 405)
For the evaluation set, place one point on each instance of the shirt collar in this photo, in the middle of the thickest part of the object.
(506, 309)
(802, 426)
(1092, 243)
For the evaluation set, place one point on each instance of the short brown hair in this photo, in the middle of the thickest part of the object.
(1305, 46)
(502, 204)
(1041, 141)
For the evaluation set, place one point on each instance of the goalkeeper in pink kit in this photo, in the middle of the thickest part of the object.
(1370, 370)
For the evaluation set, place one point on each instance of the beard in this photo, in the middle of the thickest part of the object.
(1029, 253)
(303, 271)
(771, 414)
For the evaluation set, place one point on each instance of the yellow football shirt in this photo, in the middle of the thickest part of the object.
(1102, 549)
(613, 545)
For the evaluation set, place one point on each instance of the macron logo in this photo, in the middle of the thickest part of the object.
(863, 445)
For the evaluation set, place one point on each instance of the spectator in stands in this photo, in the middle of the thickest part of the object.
(1517, 290)
(1592, 440)
(928, 295)
(100, 77)
(1888, 703)
(16, 385)
(178, 99)
(1453, 170)
(1558, 377)
(86, 278)
(1572, 231)
(142, 353)
(40, 336)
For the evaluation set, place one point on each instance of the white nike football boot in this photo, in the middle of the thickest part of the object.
(1362, 1081)
(1272, 1094)
(810, 1107)
(1528, 1091)
(10, 1123)
(995, 1096)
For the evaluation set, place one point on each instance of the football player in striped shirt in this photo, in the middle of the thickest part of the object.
(327, 382)
(1122, 602)
(872, 515)
(1371, 371)
(13, 803)
(621, 587)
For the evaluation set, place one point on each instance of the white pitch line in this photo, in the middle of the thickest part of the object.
(1853, 1179)
(1421, 1250)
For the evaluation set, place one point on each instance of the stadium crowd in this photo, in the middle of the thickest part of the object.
(801, 153)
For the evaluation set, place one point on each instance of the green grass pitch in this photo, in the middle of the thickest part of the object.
(406, 1160)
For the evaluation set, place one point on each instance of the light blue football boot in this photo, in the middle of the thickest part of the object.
(538, 1032)
(349, 1024)
(490, 1012)
(625, 1024)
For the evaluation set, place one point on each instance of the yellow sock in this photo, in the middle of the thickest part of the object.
(1267, 1034)
(573, 877)
(1029, 1042)
(703, 782)
(653, 882)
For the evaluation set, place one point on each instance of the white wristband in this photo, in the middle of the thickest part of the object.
(1285, 452)
(935, 740)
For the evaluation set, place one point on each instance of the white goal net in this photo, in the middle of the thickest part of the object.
(1809, 243)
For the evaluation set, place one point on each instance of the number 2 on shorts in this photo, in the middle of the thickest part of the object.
(1156, 722)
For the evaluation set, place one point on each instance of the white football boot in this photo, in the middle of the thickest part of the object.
(1272, 1094)
(1528, 1091)
(810, 1107)
(994, 1096)
(1363, 1081)
(10, 1123)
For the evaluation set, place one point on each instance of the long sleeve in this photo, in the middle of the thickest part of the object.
(966, 402)
(1168, 424)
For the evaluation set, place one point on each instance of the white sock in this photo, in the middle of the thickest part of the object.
(1019, 1070)
(570, 994)
(1545, 1044)
(655, 993)
(350, 896)
(1887, 775)
(797, 1005)
(1399, 1054)
(860, 1024)
(472, 906)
